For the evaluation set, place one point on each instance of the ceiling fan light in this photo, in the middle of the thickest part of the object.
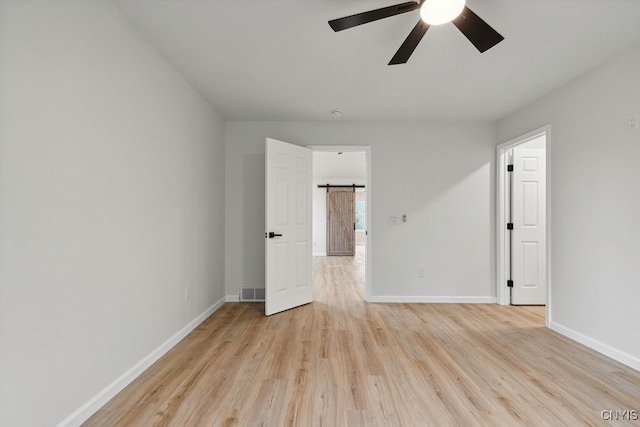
(436, 12)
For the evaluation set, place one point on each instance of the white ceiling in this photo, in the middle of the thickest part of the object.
(280, 60)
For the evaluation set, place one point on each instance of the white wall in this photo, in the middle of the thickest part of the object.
(595, 205)
(319, 220)
(111, 189)
(440, 175)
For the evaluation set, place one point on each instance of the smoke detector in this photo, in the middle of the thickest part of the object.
(336, 113)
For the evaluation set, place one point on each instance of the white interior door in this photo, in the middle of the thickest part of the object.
(288, 246)
(529, 226)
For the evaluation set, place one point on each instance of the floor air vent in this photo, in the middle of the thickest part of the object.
(251, 294)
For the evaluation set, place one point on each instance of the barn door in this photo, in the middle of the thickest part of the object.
(340, 222)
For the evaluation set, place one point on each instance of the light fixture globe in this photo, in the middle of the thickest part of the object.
(436, 12)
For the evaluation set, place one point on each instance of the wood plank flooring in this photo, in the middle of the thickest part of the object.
(342, 362)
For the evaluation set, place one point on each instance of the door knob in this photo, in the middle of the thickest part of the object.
(272, 235)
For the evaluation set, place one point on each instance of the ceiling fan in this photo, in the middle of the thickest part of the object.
(432, 12)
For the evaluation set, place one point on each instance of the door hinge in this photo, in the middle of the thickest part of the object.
(509, 168)
(510, 283)
(509, 226)
(354, 226)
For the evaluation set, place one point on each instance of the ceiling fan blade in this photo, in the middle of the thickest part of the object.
(373, 15)
(476, 30)
(410, 43)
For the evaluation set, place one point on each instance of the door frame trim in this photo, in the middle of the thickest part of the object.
(502, 291)
(368, 241)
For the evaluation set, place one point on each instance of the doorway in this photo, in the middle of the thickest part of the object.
(335, 167)
(522, 222)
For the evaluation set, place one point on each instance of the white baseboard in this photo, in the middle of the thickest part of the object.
(83, 413)
(319, 254)
(413, 299)
(433, 299)
(607, 350)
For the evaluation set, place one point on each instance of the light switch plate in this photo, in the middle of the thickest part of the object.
(632, 122)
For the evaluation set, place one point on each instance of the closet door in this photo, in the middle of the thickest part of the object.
(529, 228)
(340, 222)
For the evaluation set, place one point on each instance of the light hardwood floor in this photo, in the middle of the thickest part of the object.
(342, 362)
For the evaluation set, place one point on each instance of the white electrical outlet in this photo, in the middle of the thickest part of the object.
(393, 219)
(421, 272)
